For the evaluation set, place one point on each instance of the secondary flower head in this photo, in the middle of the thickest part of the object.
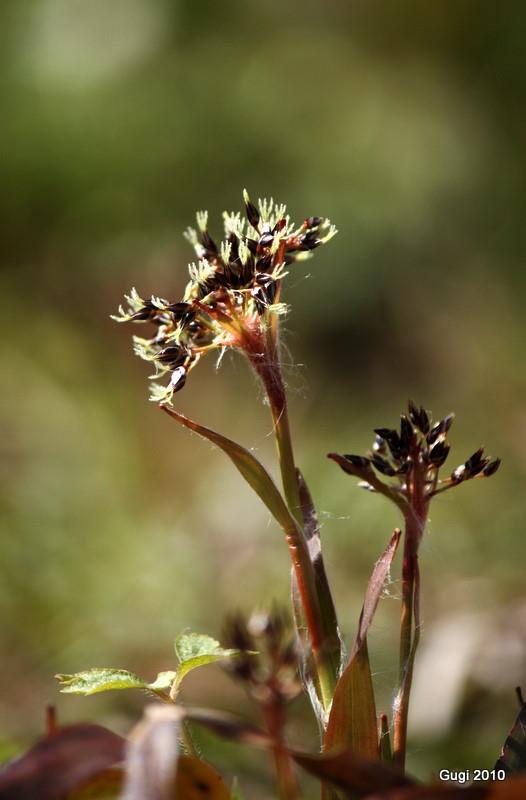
(233, 292)
(412, 459)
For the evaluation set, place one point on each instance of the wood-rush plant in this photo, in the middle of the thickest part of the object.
(234, 301)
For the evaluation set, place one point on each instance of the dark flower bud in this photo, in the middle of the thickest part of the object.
(208, 243)
(357, 461)
(491, 468)
(434, 433)
(181, 311)
(446, 423)
(313, 222)
(393, 440)
(475, 463)
(251, 212)
(413, 411)
(419, 417)
(438, 454)
(406, 432)
(386, 433)
(252, 245)
(265, 263)
(280, 224)
(309, 241)
(382, 465)
(172, 356)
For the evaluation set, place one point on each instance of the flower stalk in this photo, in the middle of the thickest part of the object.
(411, 460)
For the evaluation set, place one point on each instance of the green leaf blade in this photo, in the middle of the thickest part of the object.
(197, 650)
(92, 681)
(352, 720)
(250, 468)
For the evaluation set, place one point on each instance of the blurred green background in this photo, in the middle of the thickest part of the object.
(405, 123)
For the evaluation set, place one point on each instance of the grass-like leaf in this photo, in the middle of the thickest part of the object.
(250, 468)
(352, 720)
(513, 754)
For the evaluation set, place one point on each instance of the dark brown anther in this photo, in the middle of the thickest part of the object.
(312, 222)
(382, 466)
(280, 224)
(491, 468)
(252, 245)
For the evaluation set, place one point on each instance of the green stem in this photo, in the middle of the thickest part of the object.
(268, 368)
(415, 520)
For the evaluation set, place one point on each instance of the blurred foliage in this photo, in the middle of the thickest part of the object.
(404, 122)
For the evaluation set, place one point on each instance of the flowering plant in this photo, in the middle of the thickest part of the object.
(234, 301)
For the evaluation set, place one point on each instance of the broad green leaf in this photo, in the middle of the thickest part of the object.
(352, 719)
(92, 681)
(196, 650)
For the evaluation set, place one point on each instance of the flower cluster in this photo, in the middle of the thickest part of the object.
(413, 457)
(268, 660)
(234, 288)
